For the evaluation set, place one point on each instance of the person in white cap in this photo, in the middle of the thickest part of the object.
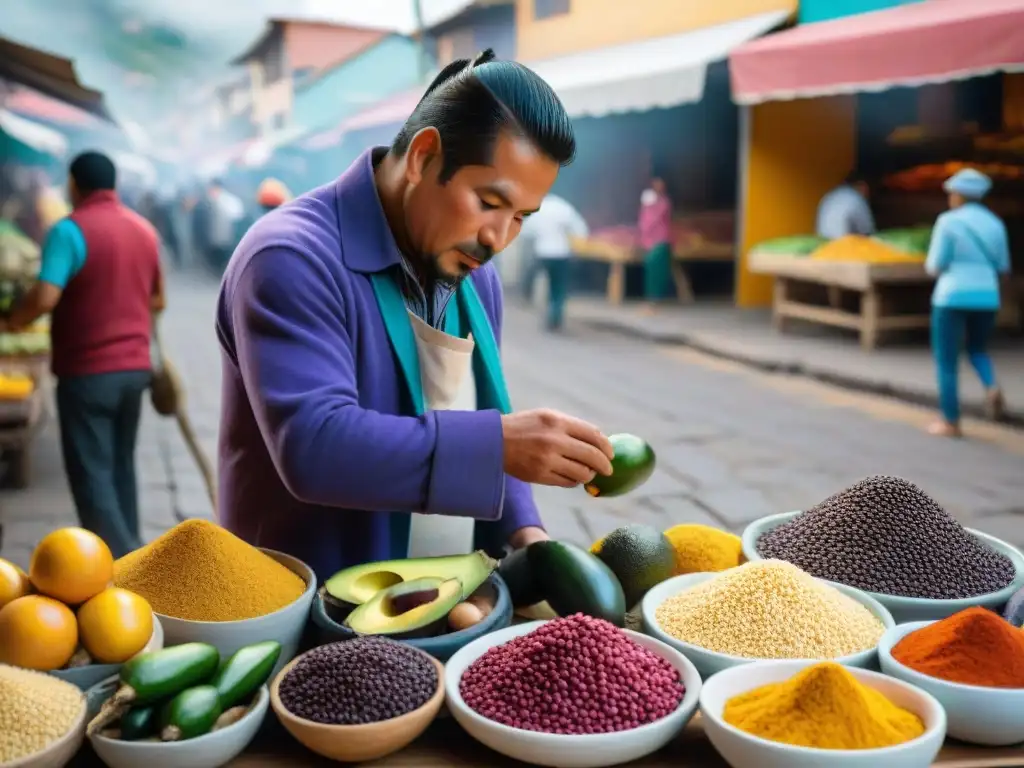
(969, 252)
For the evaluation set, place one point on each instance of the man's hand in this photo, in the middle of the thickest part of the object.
(549, 448)
(524, 537)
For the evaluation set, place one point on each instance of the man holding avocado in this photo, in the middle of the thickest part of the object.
(360, 330)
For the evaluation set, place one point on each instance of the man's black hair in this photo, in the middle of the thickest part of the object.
(93, 172)
(856, 177)
(471, 102)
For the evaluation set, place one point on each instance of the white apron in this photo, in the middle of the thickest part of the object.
(446, 370)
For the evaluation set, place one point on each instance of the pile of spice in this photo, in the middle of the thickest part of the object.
(198, 571)
(886, 535)
(35, 711)
(359, 681)
(973, 647)
(770, 610)
(824, 707)
(576, 675)
(702, 549)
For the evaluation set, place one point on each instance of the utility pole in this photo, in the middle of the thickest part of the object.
(421, 37)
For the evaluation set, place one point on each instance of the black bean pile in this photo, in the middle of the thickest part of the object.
(886, 535)
(359, 681)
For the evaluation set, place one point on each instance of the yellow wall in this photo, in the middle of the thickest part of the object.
(798, 151)
(598, 23)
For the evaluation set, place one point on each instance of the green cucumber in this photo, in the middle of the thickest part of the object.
(161, 674)
(575, 581)
(138, 723)
(247, 669)
(189, 714)
(523, 588)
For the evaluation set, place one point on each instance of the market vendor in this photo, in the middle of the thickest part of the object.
(360, 331)
(846, 211)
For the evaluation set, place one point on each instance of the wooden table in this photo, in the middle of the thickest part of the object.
(618, 257)
(445, 745)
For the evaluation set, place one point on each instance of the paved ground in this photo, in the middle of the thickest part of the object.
(733, 444)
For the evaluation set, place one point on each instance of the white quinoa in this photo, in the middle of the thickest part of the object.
(770, 609)
(35, 710)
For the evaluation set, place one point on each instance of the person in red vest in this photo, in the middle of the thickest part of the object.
(100, 281)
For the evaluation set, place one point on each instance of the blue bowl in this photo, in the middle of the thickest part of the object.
(442, 647)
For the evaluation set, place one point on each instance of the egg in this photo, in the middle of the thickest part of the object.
(464, 616)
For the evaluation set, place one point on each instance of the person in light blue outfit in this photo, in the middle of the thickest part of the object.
(846, 210)
(969, 252)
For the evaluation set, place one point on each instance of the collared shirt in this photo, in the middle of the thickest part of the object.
(844, 211)
(969, 250)
(551, 228)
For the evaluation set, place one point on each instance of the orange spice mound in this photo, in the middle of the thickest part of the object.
(973, 647)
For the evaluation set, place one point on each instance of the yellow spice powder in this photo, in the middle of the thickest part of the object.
(824, 706)
(701, 548)
(198, 571)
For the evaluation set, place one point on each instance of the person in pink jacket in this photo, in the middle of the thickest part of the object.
(655, 225)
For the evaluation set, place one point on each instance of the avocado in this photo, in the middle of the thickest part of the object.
(518, 576)
(1014, 611)
(632, 466)
(409, 609)
(575, 581)
(359, 583)
(640, 556)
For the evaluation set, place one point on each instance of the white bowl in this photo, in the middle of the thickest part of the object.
(742, 750)
(904, 609)
(993, 717)
(711, 662)
(285, 625)
(209, 751)
(560, 750)
(59, 753)
(88, 676)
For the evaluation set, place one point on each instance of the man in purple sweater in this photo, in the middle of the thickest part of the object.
(360, 327)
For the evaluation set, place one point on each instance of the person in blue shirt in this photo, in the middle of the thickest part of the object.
(969, 252)
(845, 210)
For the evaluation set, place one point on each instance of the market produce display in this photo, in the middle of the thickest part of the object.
(907, 239)
(575, 675)
(70, 570)
(233, 580)
(703, 549)
(770, 610)
(973, 647)
(640, 557)
(632, 466)
(365, 680)
(182, 692)
(865, 250)
(35, 711)
(15, 385)
(825, 707)
(795, 245)
(24, 344)
(931, 176)
(886, 535)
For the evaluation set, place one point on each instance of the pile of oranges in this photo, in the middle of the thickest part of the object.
(65, 604)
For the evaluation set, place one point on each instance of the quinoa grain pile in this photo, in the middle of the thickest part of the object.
(886, 535)
(353, 682)
(769, 610)
(35, 711)
(576, 675)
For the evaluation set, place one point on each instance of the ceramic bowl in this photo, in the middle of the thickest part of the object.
(904, 609)
(358, 743)
(285, 625)
(710, 662)
(742, 750)
(560, 750)
(60, 752)
(210, 751)
(443, 646)
(88, 676)
(992, 717)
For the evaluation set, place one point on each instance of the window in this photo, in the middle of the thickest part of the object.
(544, 9)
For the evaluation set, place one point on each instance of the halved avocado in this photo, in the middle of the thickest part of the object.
(415, 608)
(632, 466)
(359, 583)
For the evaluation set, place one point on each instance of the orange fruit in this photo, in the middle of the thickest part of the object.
(37, 632)
(115, 625)
(14, 582)
(71, 565)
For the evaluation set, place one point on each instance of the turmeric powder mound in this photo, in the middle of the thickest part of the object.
(703, 549)
(198, 571)
(864, 249)
(824, 706)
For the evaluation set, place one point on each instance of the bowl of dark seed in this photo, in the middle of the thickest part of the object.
(888, 538)
(358, 700)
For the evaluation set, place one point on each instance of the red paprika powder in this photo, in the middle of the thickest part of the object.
(973, 647)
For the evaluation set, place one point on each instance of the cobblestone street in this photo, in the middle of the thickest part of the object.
(732, 444)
